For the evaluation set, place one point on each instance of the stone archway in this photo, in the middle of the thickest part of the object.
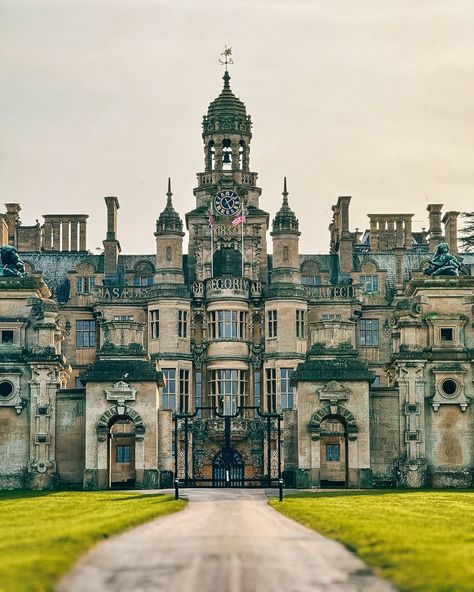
(120, 434)
(331, 428)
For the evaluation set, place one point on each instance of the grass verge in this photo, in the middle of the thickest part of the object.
(423, 541)
(44, 533)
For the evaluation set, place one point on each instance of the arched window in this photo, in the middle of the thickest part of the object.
(226, 155)
(211, 155)
(144, 272)
(310, 275)
(242, 155)
(227, 263)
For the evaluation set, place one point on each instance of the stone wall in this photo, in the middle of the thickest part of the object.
(70, 437)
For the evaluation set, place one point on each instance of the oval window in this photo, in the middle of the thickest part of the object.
(449, 387)
(6, 388)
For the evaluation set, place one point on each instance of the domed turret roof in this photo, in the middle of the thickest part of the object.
(169, 220)
(285, 219)
(226, 104)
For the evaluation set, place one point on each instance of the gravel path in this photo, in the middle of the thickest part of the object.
(223, 541)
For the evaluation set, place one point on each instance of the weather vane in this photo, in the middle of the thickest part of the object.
(227, 59)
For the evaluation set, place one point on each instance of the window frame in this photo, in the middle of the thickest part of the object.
(155, 323)
(369, 332)
(182, 323)
(272, 323)
(86, 327)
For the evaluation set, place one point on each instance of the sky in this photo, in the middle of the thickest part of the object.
(368, 98)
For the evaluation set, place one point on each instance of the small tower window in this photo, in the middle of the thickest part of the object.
(168, 253)
(286, 253)
(446, 334)
(226, 155)
(242, 155)
(211, 155)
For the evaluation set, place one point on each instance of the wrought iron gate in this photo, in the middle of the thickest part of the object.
(215, 450)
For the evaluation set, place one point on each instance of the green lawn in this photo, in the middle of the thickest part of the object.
(422, 541)
(43, 533)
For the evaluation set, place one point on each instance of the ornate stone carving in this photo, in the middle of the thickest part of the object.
(333, 410)
(103, 424)
(333, 392)
(120, 392)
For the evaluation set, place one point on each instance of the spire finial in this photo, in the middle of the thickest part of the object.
(169, 194)
(227, 59)
(225, 62)
(285, 193)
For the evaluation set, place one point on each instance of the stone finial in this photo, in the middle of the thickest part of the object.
(169, 220)
(285, 220)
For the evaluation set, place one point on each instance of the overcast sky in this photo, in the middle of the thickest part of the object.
(373, 99)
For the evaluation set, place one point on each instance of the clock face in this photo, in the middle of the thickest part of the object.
(227, 203)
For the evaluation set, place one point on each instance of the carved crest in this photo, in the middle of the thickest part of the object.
(333, 391)
(120, 392)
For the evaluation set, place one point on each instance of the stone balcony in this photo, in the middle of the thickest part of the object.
(215, 177)
(232, 288)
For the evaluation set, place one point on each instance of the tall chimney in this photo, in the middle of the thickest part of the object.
(111, 244)
(436, 233)
(450, 221)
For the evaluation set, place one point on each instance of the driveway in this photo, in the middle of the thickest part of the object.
(223, 541)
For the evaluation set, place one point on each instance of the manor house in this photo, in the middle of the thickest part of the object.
(228, 365)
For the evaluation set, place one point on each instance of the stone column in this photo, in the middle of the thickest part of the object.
(82, 235)
(48, 232)
(65, 235)
(73, 235)
(3, 231)
(408, 232)
(56, 235)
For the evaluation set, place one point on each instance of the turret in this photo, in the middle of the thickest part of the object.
(169, 244)
(285, 233)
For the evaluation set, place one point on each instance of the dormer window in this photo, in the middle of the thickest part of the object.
(85, 284)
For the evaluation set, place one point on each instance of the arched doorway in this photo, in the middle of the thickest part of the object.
(228, 469)
(334, 452)
(121, 457)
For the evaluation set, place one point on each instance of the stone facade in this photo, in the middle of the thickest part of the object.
(369, 361)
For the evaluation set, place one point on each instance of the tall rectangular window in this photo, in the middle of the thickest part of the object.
(272, 318)
(155, 324)
(300, 324)
(85, 284)
(169, 390)
(198, 383)
(182, 323)
(286, 390)
(369, 332)
(183, 391)
(227, 324)
(370, 283)
(85, 334)
(227, 389)
(257, 389)
(271, 384)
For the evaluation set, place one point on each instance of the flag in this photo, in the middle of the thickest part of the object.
(210, 220)
(238, 220)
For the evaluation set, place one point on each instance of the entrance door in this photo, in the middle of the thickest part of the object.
(122, 453)
(228, 469)
(333, 453)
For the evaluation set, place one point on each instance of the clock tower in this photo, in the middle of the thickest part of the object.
(219, 244)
